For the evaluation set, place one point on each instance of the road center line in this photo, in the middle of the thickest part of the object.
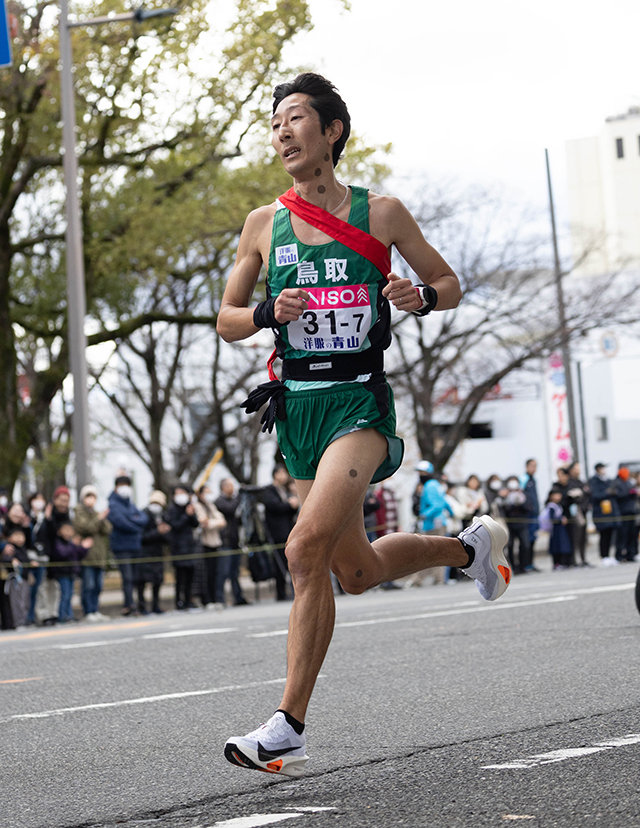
(20, 680)
(563, 754)
(180, 633)
(435, 614)
(61, 711)
(256, 820)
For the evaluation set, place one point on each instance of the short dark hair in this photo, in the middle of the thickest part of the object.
(324, 99)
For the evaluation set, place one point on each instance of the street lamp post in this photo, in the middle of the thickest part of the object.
(565, 348)
(76, 288)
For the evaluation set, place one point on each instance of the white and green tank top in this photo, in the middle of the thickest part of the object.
(347, 312)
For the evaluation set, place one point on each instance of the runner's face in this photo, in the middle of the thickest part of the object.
(297, 134)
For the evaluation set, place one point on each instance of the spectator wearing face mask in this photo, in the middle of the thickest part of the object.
(89, 523)
(154, 541)
(516, 512)
(626, 493)
(228, 502)
(182, 518)
(37, 505)
(55, 514)
(128, 524)
(211, 522)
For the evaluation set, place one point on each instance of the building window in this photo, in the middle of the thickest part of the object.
(602, 429)
(619, 148)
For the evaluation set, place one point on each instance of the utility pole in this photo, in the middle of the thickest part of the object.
(565, 346)
(76, 287)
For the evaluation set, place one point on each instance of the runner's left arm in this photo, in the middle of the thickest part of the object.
(392, 222)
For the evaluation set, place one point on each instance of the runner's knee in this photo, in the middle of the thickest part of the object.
(307, 554)
(354, 582)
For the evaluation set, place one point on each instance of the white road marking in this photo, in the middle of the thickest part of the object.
(180, 633)
(563, 754)
(91, 644)
(172, 634)
(435, 614)
(61, 711)
(255, 820)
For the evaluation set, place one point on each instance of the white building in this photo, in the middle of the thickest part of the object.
(603, 177)
(603, 186)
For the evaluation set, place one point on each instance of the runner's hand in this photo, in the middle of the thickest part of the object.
(402, 293)
(291, 304)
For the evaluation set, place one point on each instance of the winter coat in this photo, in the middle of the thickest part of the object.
(551, 522)
(211, 522)
(7, 557)
(625, 493)
(128, 523)
(88, 524)
(153, 546)
(530, 489)
(279, 515)
(604, 504)
(45, 535)
(68, 553)
(182, 541)
(229, 534)
(434, 509)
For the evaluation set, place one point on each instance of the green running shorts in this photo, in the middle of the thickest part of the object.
(318, 416)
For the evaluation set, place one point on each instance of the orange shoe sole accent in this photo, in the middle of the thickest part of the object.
(506, 573)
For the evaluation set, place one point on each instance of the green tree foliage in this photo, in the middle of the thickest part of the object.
(168, 116)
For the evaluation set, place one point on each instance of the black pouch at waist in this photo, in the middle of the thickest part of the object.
(334, 366)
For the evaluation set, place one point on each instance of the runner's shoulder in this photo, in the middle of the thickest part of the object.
(256, 233)
(261, 218)
(386, 215)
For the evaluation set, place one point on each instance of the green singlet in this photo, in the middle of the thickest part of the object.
(346, 314)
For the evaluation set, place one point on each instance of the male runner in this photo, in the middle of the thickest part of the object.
(329, 309)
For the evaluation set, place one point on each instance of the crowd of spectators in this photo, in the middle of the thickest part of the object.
(610, 503)
(46, 547)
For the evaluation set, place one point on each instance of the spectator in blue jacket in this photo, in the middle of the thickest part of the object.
(128, 524)
(433, 512)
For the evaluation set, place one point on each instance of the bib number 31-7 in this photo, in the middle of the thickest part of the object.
(337, 319)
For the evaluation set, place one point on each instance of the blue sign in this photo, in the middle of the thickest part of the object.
(5, 46)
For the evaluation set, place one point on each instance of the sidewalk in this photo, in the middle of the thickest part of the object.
(111, 595)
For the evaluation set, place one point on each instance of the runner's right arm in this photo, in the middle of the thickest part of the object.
(235, 318)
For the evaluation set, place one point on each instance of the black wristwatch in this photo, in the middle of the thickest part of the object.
(429, 296)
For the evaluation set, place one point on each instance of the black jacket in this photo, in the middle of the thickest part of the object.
(153, 546)
(228, 506)
(279, 516)
(182, 541)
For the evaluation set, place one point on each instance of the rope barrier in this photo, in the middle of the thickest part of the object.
(199, 554)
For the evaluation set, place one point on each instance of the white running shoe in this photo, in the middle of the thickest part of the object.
(274, 747)
(489, 569)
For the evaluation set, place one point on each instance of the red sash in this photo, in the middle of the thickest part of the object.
(353, 237)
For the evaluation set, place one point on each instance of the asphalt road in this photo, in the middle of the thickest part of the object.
(434, 708)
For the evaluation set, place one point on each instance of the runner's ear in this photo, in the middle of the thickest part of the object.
(335, 129)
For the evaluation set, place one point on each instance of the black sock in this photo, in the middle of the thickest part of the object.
(471, 552)
(295, 724)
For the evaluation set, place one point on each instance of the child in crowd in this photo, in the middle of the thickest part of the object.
(67, 553)
(554, 521)
(14, 588)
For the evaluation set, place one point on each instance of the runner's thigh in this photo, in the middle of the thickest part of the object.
(332, 502)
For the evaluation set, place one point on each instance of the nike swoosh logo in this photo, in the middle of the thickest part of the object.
(265, 755)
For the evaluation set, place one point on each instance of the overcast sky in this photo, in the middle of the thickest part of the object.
(479, 89)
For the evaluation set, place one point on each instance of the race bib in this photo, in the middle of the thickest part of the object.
(337, 319)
